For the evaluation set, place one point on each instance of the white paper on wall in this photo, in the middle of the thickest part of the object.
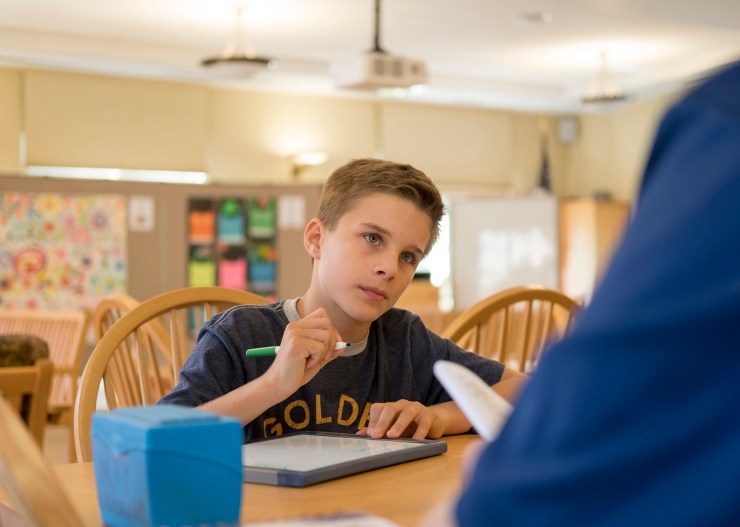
(291, 212)
(141, 213)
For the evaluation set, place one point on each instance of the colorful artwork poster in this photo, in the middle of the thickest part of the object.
(61, 251)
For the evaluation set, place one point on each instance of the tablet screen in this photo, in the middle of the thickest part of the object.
(308, 452)
(305, 458)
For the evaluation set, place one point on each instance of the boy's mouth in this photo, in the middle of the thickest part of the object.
(376, 294)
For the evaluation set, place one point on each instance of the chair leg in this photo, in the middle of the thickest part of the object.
(66, 420)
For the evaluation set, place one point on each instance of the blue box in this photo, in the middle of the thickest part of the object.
(167, 465)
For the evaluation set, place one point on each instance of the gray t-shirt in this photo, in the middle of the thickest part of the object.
(394, 362)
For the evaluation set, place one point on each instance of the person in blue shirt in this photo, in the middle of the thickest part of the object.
(634, 419)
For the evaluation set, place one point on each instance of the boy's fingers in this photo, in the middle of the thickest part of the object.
(423, 425)
(403, 421)
(395, 419)
(414, 421)
(381, 417)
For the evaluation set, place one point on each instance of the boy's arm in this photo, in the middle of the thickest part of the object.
(306, 347)
(248, 401)
(455, 422)
(404, 418)
(511, 384)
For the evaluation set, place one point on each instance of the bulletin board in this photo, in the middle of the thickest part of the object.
(61, 251)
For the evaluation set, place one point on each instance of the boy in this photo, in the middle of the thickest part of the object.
(376, 221)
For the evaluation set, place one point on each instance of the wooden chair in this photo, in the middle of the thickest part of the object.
(35, 495)
(64, 333)
(110, 309)
(130, 363)
(26, 388)
(514, 326)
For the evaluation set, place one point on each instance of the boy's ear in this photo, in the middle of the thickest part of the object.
(312, 237)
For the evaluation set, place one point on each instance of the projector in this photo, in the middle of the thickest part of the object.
(379, 70)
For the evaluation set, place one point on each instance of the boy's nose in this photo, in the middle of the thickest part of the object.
(386, 266)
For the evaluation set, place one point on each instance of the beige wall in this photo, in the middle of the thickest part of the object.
(10, 121)
(243, 137)
(96, 121)
(462, 146)
(611, 151)
(253, 135)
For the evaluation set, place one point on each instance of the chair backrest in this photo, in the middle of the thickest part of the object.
(514, 326)
(64, 333)
(109, 310)
(130, 365)
(26, 389)
(154, 342)
(34, 491)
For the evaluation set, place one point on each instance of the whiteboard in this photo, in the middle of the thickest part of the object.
(306, 458)
(501, 242)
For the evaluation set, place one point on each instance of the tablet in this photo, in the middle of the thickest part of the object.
(301, 459)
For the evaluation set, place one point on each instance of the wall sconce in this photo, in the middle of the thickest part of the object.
(304, 160)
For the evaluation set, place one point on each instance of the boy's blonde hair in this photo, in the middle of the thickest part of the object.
(362, 177)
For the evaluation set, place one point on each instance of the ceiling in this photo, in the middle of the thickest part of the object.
(479, 53)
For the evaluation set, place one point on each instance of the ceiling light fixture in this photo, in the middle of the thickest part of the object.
(533, 18)
(603, 89)
(239, 58)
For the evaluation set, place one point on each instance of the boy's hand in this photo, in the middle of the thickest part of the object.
(403, 419)
(307, 346)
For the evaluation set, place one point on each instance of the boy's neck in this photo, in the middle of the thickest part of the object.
(351, 330)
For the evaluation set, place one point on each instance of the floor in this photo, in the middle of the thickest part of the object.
(56, 437)
(56, 444)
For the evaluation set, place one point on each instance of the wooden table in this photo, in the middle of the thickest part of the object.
(401, 493)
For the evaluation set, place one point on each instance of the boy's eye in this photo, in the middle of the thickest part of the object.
(373, 238)
(408, 258)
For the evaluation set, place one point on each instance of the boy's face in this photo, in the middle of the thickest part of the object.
(370, 257)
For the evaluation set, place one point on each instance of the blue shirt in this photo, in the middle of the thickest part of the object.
(394, 362)
(635, 418)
